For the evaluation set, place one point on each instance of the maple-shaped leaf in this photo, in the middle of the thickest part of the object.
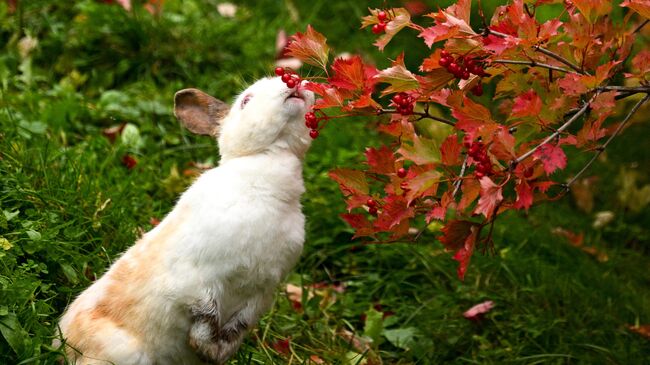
(592, 9)
(447, 25)
(450, 150)
(399, 19)
(422, 150)
(491, 195)
(352, 74)
(640, 6)
(464, 254)
(309, 47)
(439, 211)
(394, 211)
(398, 77)
(360, 223)
(552, 157)
(526, 104)
(351, 182)
(573, 84)
(424, 184)
(454, 234)
(471, 189)
(641, 62)
(503, 144)
(549, 29)
(381, 161)
(524, 195)
(329, 95)
(499, 45)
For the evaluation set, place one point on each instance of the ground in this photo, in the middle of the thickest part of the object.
(70, 203)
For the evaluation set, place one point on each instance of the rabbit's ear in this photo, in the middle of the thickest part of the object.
(199, 112)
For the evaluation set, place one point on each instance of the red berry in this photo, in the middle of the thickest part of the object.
(469, 62)
(372, 210)
(279, 71)
(381, 16)
(313, 133)
(401, 172)
(478, 89)
(371, 203)
(286, 77)
(474, 150)
(479, 174)
(378, 28)
(444, 61)
(310, 116)
(464, 75)
(397, 99)
(311, 123)
(453, 68)
(444, 53)
(291, 83)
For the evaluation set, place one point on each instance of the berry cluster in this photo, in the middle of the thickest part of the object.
(311, 121)
(403, 103)
(462, 67)
(479, 154)
(372, 206)
(381, 26)
(288, 77)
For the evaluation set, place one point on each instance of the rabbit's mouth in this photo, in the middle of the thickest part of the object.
(296, 94)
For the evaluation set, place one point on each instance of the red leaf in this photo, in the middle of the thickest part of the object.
(490, 197)
(549, 29)
(310, 47)
(592, 9)
(399, 78)
(360, 223)
(282, 346)
(440, 210)
(422, 151)
(503, 144)
(643, 330)
(424, 184)
(464, 254)
(351, 182)
(129, 161)
(381, 161)
(640, 6)
(394, 212)
(471, 189)
(455, 233)
(400, 18)
(552, 157)
(476, 312)
(524, 195)
(450, 150)
(527, 104)
(330, 96)
(352, 74)
(448, 24)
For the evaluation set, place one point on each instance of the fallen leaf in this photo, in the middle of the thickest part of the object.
(476, 312)
(282, 346)
(643, 330)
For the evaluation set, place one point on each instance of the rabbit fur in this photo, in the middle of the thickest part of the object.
(190, 289)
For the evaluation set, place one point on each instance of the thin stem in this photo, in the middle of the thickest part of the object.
(602, 148)
(556, 133)
(559, 58)
(636, 89)
(542, 50)
(532, 64)
(422, 115)
(637, 29)
(460, 177)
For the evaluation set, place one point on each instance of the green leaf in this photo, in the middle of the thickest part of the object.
(374, 325)
(13, 333)
(403, 338)
(34, 235)
(70, 273)
(423, 151)
(10, 215)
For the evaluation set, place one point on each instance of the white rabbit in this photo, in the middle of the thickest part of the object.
(190, 289)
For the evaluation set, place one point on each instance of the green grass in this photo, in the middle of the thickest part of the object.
(68, 206)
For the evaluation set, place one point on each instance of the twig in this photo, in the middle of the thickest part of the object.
(636, 89)
(541, 49)
(460, 177)
(637, 29)
(602, 148)
(556, 133)
(422, 115)
(559, 58)
(532, 64)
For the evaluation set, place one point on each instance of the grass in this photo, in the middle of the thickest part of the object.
(68, 206)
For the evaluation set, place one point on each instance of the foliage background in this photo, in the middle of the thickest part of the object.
(68, 206)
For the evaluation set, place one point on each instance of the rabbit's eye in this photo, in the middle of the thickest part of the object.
(245, 101)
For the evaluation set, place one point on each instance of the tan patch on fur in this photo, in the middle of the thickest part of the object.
(123, 302)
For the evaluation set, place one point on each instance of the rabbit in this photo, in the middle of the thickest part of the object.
(190, 289)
